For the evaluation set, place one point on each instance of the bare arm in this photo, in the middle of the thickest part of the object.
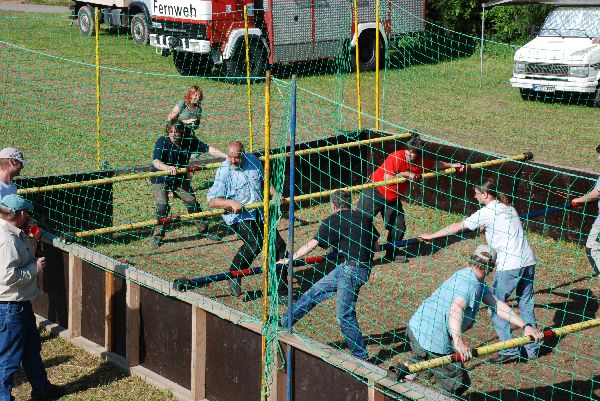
(222, 203)
(455, 319)
(164, 167)
(593, 195)
(444, 232)
(174, 114)
(458, 166)
(304, 250)
(216, 152)
(403, 174)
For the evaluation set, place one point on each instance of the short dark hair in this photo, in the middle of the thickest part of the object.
(178, 127)
(598, 149)
(341, 199)
(415, 142)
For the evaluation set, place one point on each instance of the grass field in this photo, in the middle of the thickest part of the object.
(48, 109)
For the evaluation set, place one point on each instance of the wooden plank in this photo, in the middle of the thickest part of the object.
(373, 393)
(198, 385)
(132, 342)
(273, 396)
(75, 296)
(109, 294)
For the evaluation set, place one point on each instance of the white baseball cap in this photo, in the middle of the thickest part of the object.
(12, 153)
(487, 254)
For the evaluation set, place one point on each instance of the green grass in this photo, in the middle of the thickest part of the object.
(48, 107)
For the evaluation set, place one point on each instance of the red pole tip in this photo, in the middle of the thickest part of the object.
(34, 230)
(575, 204)
(314, 259)
(548, 333)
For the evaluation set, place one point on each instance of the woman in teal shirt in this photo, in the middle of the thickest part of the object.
(188, 111)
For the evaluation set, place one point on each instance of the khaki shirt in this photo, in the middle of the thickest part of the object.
(18, 270)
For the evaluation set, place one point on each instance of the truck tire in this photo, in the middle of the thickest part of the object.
(140, 31)
(85, 18)
(526, 94)
(366, 52)
(595, 98)
(192, 64)
(235, 66)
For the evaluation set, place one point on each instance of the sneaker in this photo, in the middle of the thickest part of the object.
(53, 392)
(502, 358)
(156, 243)
(235, 287)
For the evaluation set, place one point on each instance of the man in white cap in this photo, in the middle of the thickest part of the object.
(20, 343)
(11, 164)
(436, 329)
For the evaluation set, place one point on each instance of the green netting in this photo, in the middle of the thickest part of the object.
(430, 84)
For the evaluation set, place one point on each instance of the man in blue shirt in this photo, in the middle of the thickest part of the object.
(436, 329)
(239, 182)
(170, 153)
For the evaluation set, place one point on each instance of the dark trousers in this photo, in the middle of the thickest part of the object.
(20, 346)
(453, 377)
(161, 198)
(251, 234)
(372, 203)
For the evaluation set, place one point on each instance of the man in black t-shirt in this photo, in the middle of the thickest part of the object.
(170, 153)
(351, 233)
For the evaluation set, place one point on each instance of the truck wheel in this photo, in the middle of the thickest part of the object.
(85, 17)
(139, 29)
(191, 64)
(366, 52)
(235, 67)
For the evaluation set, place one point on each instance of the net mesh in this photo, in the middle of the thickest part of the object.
(430, 84)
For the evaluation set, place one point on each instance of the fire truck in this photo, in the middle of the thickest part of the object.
(203, 33)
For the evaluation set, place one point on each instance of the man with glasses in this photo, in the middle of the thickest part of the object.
(239, 182)
(11, 164)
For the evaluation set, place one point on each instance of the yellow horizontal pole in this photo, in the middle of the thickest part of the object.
(141, 176)
(300, 198)
(493, 348)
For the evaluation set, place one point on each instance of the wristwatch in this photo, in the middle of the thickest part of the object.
(527, 324)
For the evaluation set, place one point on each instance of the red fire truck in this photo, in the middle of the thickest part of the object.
(204, 33)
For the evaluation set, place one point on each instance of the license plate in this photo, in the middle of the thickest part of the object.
(543, 88)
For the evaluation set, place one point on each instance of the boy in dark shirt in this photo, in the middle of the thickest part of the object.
(351, 233)
(170, 153)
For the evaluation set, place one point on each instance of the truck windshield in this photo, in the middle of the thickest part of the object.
(574, 22)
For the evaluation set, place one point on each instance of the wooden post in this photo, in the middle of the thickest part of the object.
(198, 386)
(132, 347)
(109, 293)
(75, 296)
(373, 393)
(273, 393)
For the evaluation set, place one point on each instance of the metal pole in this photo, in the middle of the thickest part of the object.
(376, 64)
(248, 78)
(290, 300)
(266, 193)
(98, 143)
(357, 65)
(140, 176)
(481, 48)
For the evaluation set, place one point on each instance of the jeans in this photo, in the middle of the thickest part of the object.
(251, 234)
(592, 248)
(453, 377)
(20, 345)
(345, 281)
(505, 282)
(372, 203)
(161, 198)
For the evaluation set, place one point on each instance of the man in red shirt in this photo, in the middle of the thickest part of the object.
(386, 200)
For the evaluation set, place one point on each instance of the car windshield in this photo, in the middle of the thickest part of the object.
(574, 22)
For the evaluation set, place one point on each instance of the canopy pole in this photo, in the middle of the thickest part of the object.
(481, 48)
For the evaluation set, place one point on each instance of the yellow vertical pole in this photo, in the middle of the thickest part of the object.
(356, 54)
(377, 64)
(266, 193)
(97, 87)
(248, 76)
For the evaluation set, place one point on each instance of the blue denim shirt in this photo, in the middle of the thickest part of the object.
(245, 185)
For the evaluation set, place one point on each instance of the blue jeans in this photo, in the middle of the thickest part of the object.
(505, 282)
(20, 345)
(345, 281)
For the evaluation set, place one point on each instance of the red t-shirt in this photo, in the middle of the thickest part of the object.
(396, 163)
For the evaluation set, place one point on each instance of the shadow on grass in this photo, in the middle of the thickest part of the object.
(572, 390)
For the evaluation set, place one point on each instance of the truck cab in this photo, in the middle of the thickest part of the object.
(564, 57)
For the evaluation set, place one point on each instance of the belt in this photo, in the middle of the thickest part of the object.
(13, 302)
